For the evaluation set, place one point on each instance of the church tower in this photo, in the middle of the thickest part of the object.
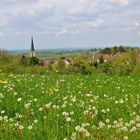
(32, 51)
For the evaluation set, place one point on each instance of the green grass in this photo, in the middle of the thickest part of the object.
(69, 107)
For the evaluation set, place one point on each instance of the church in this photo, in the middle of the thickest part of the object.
(44, 62)
(32, 51)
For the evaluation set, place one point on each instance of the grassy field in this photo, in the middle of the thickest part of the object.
(69, 107)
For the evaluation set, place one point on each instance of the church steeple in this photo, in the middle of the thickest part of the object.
(32, 53)
(32, 44)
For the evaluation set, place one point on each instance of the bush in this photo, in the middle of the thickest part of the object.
(136, 70)
(122, 66)
(105, 68)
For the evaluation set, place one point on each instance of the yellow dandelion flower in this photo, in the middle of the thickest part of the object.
(3, 82)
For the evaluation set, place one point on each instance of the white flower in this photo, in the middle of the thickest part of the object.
(54, 106)
(124, 129)
(16, 124)
(65, 114)
(35, 121)
(15, 93)
(11, 119)
(108, 110)
(5, 117)
(35, 100)
(20, 116)
(77, 128)
(19, 99)
(21, 127)
(30, 127)
(138, 125)
(87, 134)
(71, 113)
(68, 119)
(133, 129)
(1, 95)
(73, 136)
(3, 111)
(40, 109)
(107, 121)
(48, 105)
(101, 125)
(109, 126)
(125, 138)
(27, 106)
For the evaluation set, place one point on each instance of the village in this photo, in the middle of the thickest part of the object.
(104, 55)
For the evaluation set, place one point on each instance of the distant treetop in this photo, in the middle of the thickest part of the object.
(117, 49)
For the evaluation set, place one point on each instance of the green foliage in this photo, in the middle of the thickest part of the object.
(105, 68)
(33, 61)
(122, 66)
(126, 64)
(136, 70)
(72, 107)
(60, 66)
(117, 49)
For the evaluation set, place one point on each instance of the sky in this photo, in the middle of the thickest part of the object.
(69, 23)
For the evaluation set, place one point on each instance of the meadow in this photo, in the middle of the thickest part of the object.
(69, 107)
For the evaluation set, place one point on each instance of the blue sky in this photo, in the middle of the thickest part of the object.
(69, 23)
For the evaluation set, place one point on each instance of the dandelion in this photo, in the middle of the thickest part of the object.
(68, 119)
(40, 109)
(77, 128)
(30, 127)
(73, 136)
(1, 95)
(19, 99)
(35, 100)
(133, 129)
(21, 127)
(3, 111)
(15, 93)
(107, 121)
(48, 105)
(125, 138)
(138, 125)
(27, 106)
(101, 125)
(35, 121)
(87, 134)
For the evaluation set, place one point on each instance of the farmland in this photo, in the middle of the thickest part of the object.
(69, 107)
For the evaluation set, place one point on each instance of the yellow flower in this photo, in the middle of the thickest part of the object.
(11, 75)
(3, 82)
(56, 89)
(62, 80)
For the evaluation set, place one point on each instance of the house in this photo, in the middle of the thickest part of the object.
(106, 57)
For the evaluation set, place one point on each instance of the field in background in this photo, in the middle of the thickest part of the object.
(69, 107)
(52, 54)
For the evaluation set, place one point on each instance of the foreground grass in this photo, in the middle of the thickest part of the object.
(64, 107)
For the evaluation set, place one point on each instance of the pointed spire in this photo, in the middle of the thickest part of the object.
(32, 53)
(32, 44)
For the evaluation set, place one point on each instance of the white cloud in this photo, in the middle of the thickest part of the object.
(1, 34)
(66, 30)
(81, 7)
(122, 2)
(89, 7)
(95, 24)
(62, 31)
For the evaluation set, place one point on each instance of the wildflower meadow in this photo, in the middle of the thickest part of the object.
(69, 107)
